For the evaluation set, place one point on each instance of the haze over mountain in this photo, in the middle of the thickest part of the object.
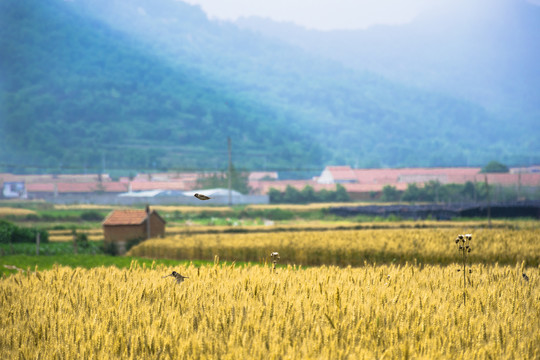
(145, 83)
(318, 14)
(485, 51)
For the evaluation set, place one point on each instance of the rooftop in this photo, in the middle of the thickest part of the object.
(125, 217)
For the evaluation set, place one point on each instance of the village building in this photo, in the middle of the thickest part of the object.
(48, 191)
(123, 226)
(178, 187)
(367, 184)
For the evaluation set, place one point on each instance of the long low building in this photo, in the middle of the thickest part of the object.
(217, 196)
(363, 183)
(347, 175)
(160, 188)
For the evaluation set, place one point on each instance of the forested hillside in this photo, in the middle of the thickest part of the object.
(77, 94)
(155, 84)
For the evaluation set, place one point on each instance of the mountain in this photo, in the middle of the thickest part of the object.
(485, 51)
(158, 84)
(78, 94)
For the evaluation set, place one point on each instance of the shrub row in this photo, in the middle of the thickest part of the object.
(11, 233)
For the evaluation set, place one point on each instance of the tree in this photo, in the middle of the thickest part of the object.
(308, 194)
(495, 167)
(469, 191)
(292, 195)
(432, 191)
(239, 181)
(323, 196)
(275, 196)
(412, 193)
(390, 193)
(341, 194)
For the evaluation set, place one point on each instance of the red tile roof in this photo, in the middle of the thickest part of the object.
(88, 187)
(263, 186)
(342, 173)
(50, 178)
(125, 217)
(40, 188)
(409, 175)
(258, 175)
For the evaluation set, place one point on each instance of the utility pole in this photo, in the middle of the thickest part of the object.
(489, 201)
(230, 169)
(75, 245)
(475, 197)
(148, 231)
(519, 186)
(38, 235)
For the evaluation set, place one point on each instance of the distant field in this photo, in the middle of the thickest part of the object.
(294, 207)
(11, 211)
(67, 235)
(13, 208)
(50, 216)
(96, 234)
(62, 238)
(247, 312)
(281, 226)
(84, 207)
(172, 208)
(307, 207)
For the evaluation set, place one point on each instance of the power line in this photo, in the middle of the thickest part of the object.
(98, 168)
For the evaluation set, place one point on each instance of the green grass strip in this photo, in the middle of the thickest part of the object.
(85, 261)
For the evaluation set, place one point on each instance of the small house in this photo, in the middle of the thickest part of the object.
(123, 226)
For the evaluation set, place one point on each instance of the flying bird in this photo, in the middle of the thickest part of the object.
(525, 277)
(202, 197)
(179, 278)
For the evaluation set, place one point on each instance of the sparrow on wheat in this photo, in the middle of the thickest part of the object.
(179, 278)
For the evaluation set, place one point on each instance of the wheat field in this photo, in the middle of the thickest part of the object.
(349, 247)
(67, 238)
(190, 229)
(249, 312)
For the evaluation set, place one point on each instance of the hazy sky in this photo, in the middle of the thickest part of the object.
(323, 14)
(319, 14)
